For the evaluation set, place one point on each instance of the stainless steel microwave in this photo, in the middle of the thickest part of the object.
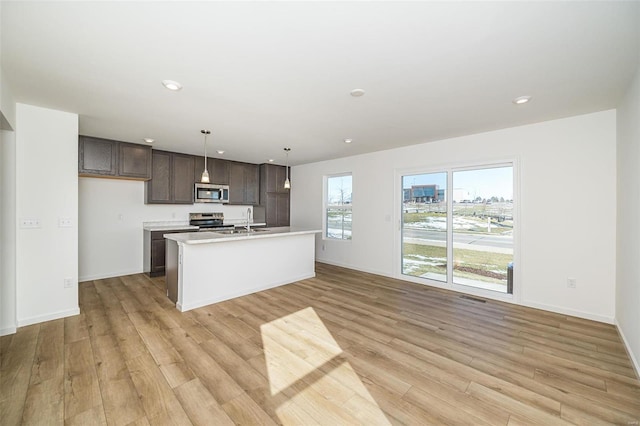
(211, 193)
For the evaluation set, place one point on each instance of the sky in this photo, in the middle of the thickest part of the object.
(484, 183)
(337, 184)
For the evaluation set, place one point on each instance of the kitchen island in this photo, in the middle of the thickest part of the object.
(208, 267)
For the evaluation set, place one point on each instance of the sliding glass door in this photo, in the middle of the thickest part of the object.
(483, 227)
(462, 236)
(424, 226)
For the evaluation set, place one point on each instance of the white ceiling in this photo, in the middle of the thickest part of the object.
(268, 75)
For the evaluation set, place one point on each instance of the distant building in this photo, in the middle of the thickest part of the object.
(423, 194)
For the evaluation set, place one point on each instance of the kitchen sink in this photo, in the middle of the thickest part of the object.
(241, 231)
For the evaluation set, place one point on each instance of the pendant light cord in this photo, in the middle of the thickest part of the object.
(205, 172)
(287, 183)
(205, 150)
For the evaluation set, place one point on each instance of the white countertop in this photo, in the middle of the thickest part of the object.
(167, 226)
(215, 237)
(182, 225)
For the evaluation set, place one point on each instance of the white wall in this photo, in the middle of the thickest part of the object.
(46, 190)
(7, 203)
(7, 104)
(628, 250)
(110, 230)
(567, 166)
(7, 232)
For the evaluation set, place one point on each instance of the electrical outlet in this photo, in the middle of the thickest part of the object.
(68, 282)
(64, 222)
(29, 223)
(571, 282)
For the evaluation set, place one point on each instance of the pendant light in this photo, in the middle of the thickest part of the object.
(205, 173)
(287, 183)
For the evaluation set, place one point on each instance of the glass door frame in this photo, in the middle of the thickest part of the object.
(516, 296)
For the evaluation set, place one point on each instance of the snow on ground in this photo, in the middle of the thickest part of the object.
(440, 223)
(418, 260)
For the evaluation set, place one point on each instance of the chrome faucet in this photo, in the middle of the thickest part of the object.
(248, 220)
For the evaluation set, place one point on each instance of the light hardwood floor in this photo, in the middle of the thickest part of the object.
(343, 348)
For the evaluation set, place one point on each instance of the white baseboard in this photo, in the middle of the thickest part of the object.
(344, 265)
(8, 330)
(48, 317)
(574, 313)
(634, 359)
(105, 275)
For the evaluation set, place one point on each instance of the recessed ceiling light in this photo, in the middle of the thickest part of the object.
(521, 100)
(220, 152)
(172, 85)
(149, 140)
(356, 93)
(348, 140)
(271, 160)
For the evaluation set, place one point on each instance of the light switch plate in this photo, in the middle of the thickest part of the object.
(30, 223)
(64, 222)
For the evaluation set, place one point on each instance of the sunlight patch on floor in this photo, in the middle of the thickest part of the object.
(309, 378)
(294, 346)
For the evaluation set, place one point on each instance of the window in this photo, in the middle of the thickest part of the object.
(457, 226)
(338, 207)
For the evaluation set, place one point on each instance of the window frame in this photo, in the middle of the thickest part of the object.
(326, 206)
(452, 167)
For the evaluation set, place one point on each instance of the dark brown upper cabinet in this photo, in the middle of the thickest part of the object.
(244, 187)
(273, 196)
(171, 179)
(134, 161)
(218, 170)
(113, 159)
(272, 178)
(97, 157)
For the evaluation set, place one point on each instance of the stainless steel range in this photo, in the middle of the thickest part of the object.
(208, 221)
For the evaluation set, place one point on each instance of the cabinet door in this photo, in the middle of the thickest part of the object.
(251, 184)
(282, 209)
(182, 179)
(268, 178)
(236, 183)
(271, 209)
(97, 156)
(274, 177)
(281, 175)
(158, 189)
(220, 171)
(157, 256)
(134, 161)
(155, 250)
(198, 168)
(277, 209)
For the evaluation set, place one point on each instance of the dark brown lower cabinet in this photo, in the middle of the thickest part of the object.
(154, 251)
